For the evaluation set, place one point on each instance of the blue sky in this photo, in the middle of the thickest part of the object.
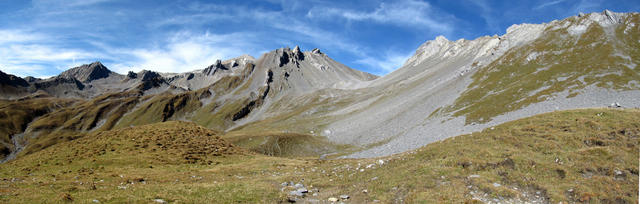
(45, 37)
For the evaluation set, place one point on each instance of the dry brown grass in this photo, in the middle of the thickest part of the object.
(569, 156)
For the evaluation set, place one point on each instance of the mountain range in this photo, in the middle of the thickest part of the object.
(546, 113)
(446, 88)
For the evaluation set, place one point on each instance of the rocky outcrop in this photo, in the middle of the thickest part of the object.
(284, 58)
(11, 80)
(290, 56)
(150, 79)
(132, 75)
(59, 81)
(316, 51)
(211, 70)
(31, 79)
(88, 72)
(149, 75)
(297, 54)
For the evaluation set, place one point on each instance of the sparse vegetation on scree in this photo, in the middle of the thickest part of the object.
(588, 155)
(557, 62)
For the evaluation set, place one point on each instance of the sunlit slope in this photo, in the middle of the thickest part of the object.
(588, 155)
(457, 87)
(561, 63)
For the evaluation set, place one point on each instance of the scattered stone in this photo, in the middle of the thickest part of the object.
(619, 175)
(303, 190)
(344, 197)
(95, 201)
(365, 191)
(299, 185)
(617, 172)
(474, 176)
(66, 197)
(615, 105)
(296, 193)
(158, 200)
(496, 185)
(380, 162)
(333, 199)
(292, 199)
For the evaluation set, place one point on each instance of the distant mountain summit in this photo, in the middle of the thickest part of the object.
(11, 80)
(87, 72)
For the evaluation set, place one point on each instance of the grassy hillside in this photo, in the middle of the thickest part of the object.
(570, 156)
(16, 115)
(556, 62)
(73, 121)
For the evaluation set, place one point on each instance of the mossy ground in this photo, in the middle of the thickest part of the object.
(580, 155)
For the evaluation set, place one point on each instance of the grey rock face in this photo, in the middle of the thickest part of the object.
(31, 79)
(58, 81)
(214, 68)
(132, 75)
(88, 72)
(11, 80)
(149, 75)
(316, 51)
(297, 54)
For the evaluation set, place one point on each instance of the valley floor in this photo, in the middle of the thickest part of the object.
(568, 156)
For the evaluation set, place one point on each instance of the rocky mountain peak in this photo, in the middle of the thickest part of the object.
(11, 80)
(31, 79)
(286, 55)
(607, 17)
(297, 54)
(87, 72)
(147, 75)
(429, 49)
(316, 51)
(212, 69)
(132, 75)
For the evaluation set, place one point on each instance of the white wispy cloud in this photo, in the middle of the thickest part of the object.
(403, 13)
(387, 63)
(182, 52)
(18, 36)
(178, 42)
(588, 6)
(551, 3)
(24, 52)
